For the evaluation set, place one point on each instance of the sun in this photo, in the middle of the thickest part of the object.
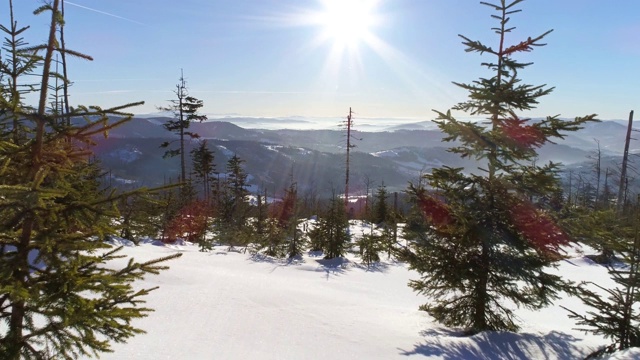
(347, 22)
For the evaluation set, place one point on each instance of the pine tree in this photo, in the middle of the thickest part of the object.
(185, 109)
(487, 242)
(331, 234)
(370, 246)
(21, 59)
(615, 317)
(285, 217)
(262, 213)
(139, 216)
(61, 297)
(602, 229)
(381, 209)
(203, 167)
(233, 212)
(289, 220)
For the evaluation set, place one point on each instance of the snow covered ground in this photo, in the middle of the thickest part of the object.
(230, 305)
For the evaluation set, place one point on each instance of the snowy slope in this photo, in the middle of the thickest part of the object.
(230, 305)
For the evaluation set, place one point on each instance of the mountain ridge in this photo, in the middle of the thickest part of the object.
(316, 157)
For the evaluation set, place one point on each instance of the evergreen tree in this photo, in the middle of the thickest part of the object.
(262, 213)
(487, 242)
(169, 204)
(185, 109)
(615, 317)
(331, 234)
(203, 167)
(370, 246)
(285, 217)
(233, 212)
(20, 59)
(139, 216)
(273, 239)
(290, 221)
(381, 209)
(61, 297)
(602, 229)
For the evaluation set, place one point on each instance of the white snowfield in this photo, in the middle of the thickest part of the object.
(231, 305)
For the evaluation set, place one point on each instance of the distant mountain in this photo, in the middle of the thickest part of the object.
(316, 157)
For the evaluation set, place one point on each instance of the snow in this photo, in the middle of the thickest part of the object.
(232, 305)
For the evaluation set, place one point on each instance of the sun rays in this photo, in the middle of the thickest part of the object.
(347, 23)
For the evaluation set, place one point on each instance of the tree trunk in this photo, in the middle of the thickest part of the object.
(625, 159)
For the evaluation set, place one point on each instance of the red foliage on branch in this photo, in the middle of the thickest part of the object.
(538, 228)
(190, 223)
(524, 135)
(435, 210)
(282, 211)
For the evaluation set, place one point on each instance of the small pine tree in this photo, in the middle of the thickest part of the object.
(381, 211)
(262, 214)
(487, 242)
(602, 229)
(332, 231)
(140, 215)
(290, 221)
(615, 317)
(273, 240)
(369, 246)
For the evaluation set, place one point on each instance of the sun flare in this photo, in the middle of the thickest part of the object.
(347, 22)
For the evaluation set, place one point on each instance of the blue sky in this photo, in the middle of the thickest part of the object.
(278, 58)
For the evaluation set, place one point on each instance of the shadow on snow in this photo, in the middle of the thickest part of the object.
(451, 345)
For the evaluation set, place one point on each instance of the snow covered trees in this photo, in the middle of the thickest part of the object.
(61, 297)
(489, 237)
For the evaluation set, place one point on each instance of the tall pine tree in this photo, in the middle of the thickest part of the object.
(185, 109)
(60, 297)
(488, 243)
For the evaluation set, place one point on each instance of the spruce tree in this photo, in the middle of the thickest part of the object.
(61, 297)
(489, 242)
(289, 220)
(380, 207)
(185, 109)
(331, 234)
(614, 311)
(203, 167)
(615, 317)
(139, 216)
(233, 212)
(283, 226)
(369, 246)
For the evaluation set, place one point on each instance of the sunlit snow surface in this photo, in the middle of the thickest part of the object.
(232, 305)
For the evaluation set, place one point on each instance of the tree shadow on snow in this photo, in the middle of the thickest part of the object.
(451, 345)
(335, 266)
(262, 258)
(373, 267)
